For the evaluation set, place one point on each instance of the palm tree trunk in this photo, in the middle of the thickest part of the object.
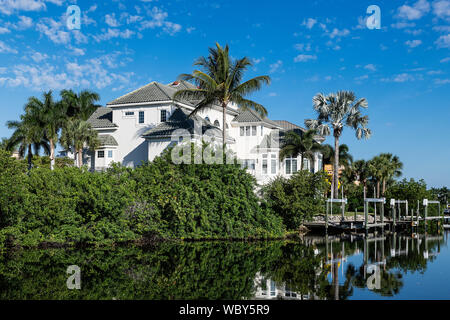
(378, 188)
(80, 158)
(301, 163)
(364, 188)
(336, 166)
(384, 186)
(30, 157)
(52, 155)
(224, 127)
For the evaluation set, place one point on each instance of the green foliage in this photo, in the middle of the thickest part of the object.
(297, 199)
(410, 190)
(159, 199)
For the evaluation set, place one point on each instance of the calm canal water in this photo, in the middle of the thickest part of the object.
(400, 267)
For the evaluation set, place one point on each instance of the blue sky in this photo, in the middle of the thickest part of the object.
(306, 47)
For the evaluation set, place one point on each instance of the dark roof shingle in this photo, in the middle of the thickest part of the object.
(101, 118)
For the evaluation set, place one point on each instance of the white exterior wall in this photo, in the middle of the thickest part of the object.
(133, 149)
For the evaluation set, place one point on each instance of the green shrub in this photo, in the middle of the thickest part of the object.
(296, 199)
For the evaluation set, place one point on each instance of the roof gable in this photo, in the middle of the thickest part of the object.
(153, 92)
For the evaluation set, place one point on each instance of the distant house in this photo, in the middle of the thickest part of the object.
(140, 125)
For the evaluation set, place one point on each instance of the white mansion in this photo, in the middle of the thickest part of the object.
(139, 126)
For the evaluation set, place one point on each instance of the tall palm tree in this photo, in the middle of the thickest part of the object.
(28, 136)
(362, 173)
(220, 82)
(50, 116)
(304, 145)
(80, 105)
(339, 110)
(77, 134)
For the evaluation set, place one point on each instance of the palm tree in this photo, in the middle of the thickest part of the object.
(220, 82)
(345, 158)
(339, 110)
(377, 168)
(362, 173)
(27, 135)
(393, 168)
(304, 145)
(50, 116)
(4, 144)
(76, 135)
(80, 106)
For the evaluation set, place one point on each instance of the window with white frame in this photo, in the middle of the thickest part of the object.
(163, 115)
(306, 164)
(273, 164)
(264, 164)
(101, 154)
(253, 130)
(141, 117)
(110, 153)
(247, 131)
(249, 164)
(290, 165)
(242, 131)
(129, 113)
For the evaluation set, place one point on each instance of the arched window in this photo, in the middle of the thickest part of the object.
(216, 123)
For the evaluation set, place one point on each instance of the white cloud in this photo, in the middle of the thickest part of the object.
(419, 9)
(370, 67)
(272, 94)
(4, 48)
(443, 41)
(309, 23)
(303, 46)
(111, 20)
(24, 22)
(441, 9)
(274, 67)
(442, 81)
(402, 25)
(4, 30)
(413, 43)
(53, 30)
(38, 57)
(92, 73)
(304, 57)
(10, 6)
(339, 33)
(114, 33)
(159, 20)
(363, 77)
(445, 60)
(403, 77)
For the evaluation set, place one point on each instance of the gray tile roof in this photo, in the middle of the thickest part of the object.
(180, 120)
(286, 125)
(107, 140)
(250, 115)
(152, 92)
(101, 118)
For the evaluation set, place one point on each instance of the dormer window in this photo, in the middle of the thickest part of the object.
(216, 123)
